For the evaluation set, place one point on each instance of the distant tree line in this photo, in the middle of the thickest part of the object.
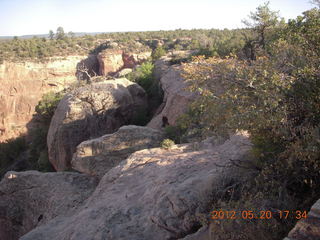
(211, 42)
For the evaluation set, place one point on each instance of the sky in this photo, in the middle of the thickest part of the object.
(28, 17)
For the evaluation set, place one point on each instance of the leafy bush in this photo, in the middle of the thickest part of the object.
(158, 53)
(174, 133)
(276, 99)
(38, 152)
(36, 156)
(48, 104)
(167, 144)
(10, 150)
(143, 75)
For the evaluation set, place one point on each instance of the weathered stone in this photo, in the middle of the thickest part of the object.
(309, 228)
(176, 97)
(22, 85)
(110, 61)
(161, 67)
(90, 112)
(99, 155)
(30, 199)
(124, 72)
(154, 194)
(133, 59)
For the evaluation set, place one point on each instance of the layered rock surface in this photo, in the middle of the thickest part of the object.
(29, 199)
(154, 194)
(113, 60)
(22, 86)
(176, 95)
(99, 155)
(90, 112)
(309, 228)
(110, 61)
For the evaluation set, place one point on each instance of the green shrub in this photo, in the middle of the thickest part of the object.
(158, 53)
(276, 99)
(167, 143)
(143, 75)
(10, 150)
(48, 104)
(38, 152)
(174, 133)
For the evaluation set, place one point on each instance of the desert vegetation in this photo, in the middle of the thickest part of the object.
(273, 94)
(210, 42)
(31, 151)
(262, 80)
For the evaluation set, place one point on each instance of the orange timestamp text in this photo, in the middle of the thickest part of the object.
(265, 214)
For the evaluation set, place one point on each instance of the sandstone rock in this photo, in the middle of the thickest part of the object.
(161, 67)
(29, 199)
(309, 228)
(154, 194)
(22, 84)
(110, 61)
(99, 155)
(90, 112)
(124, 72)
(113, 45)
(176, 97)
(133, 59)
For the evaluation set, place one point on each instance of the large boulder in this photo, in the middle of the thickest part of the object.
(133, 59)
(110, 61)
(309, 228)
(123, 72)
(29, 199)
(90, 112)
(176, 96)
(99, 155)
(154, 194)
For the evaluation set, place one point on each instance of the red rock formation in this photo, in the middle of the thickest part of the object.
(22, 86)
(110, 61)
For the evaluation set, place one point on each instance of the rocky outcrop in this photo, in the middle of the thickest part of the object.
(22, 84)
(309, 228)
(176, 96)
(89, 112)
(99, 155)
(154, 194)
(133, 59)
(124, 72)
(113, 60)
(30, 199)
(161, 67)
(110, 61)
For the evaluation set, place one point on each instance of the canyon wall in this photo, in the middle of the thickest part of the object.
(22, 84)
